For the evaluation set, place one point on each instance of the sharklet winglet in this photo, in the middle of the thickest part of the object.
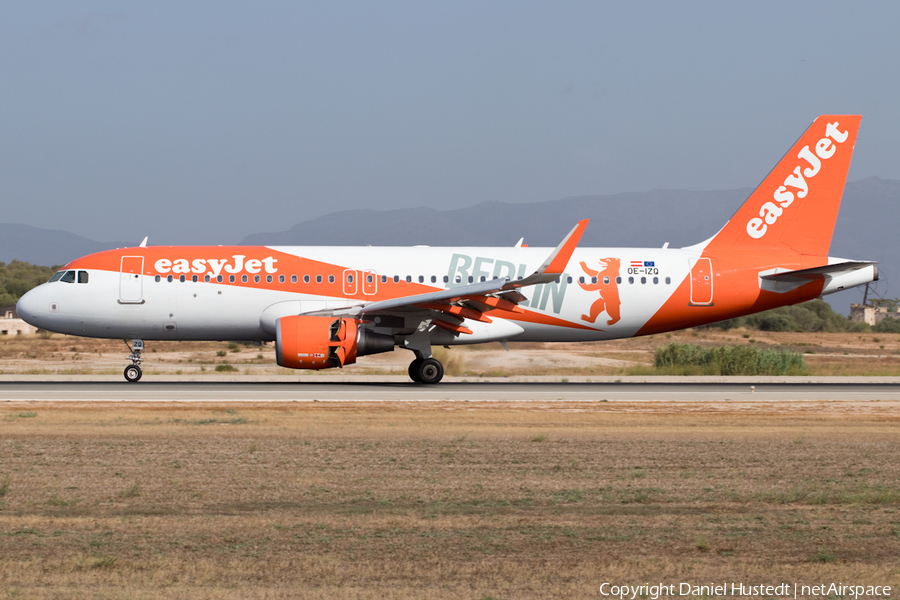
(556, 263)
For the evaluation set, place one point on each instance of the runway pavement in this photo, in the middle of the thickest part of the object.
(188, 391)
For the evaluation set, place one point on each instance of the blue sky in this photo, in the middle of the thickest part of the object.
(203, 122)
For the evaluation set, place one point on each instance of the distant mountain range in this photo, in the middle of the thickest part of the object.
(47, 247)
(867, 226)
(631, 219)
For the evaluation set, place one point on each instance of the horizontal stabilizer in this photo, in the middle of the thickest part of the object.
(834, 277)
(818, 272)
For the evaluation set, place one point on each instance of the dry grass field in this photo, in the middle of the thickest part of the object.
(441, 500)
(825, 354)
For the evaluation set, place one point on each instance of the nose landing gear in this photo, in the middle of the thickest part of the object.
(133, 371)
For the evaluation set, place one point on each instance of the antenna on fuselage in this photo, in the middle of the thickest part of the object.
(144, 243)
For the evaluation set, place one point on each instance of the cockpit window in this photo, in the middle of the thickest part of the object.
(82, 276)
(56, 276)
(69, 277)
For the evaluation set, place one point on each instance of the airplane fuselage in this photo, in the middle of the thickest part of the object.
(224, 293)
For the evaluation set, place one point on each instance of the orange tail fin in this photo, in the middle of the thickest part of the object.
(796, 205)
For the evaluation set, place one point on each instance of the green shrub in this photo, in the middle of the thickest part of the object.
(18, 277)
(816, 315)
(226, 368)
(690, 359)
(888, 326)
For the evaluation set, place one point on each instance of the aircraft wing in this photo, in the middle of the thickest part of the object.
(451, 306)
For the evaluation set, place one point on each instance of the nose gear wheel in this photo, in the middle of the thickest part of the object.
(133, 373)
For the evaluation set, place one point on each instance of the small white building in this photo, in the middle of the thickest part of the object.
(11, 324)
(872, 315)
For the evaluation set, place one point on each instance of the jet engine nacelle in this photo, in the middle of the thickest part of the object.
(325, 342)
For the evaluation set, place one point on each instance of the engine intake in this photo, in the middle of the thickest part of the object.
(325, 342)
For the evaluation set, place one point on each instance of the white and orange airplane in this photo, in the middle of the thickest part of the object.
(325, 306)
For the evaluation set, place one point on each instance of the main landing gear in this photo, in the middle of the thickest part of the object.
(426, 370)
(133, 371)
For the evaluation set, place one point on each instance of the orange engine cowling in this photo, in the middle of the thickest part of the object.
(325, 342)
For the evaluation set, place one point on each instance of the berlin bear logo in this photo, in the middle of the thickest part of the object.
(608, 287)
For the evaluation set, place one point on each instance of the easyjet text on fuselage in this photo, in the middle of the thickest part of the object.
(215, 266)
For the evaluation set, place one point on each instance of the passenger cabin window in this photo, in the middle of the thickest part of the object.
(243, 279)
(471, 279)
(409, 279)
(568, 280)
(605, 280)
(181, 278)
(668, 280)
(369, 279)
(421, 279)
(56, 276)
(618, 280)
(207, 278)
(433, 279)
(446, 279)
(384, 279)
(318, 279)
(349, 278)
(231, 279)
(69, 277)
(280, 279)
(256, 279)
(581, 280)
(157, 278)
(306, 279)
(631, 280)
(219, 278)
(331, 279)
(396, 279)
(293, 279)
(169, 278)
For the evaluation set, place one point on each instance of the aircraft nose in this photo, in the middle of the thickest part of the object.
(28, 306)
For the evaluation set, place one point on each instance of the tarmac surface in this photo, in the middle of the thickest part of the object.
(400, 390)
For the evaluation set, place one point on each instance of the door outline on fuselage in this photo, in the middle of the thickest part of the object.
(131, 280)
(701, 282)
(370, 289)
(350, 282)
